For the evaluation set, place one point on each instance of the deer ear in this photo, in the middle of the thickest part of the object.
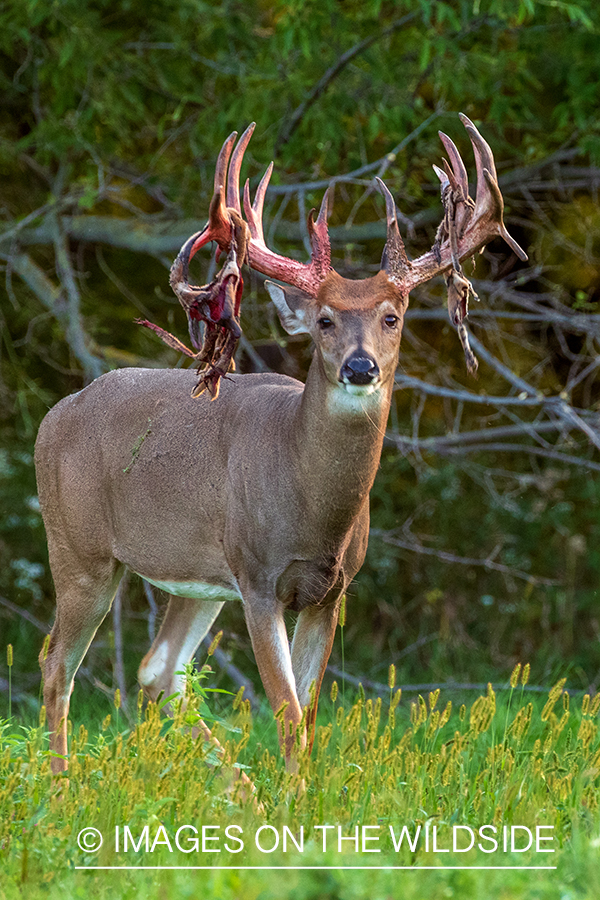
(291, 306)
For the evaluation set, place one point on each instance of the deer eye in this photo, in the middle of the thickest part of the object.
(391, 321)
(324, 323)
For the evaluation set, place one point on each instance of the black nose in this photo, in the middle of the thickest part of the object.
(360, 370)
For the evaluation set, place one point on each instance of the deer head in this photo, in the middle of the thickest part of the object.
(356, 325)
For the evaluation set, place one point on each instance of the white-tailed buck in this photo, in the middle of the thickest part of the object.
(263, 495)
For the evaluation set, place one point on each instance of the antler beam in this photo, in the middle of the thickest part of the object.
(475, 222)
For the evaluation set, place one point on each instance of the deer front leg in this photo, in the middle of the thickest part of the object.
(266, 627)
(311, 649)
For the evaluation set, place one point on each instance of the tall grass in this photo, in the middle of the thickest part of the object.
(378, 764)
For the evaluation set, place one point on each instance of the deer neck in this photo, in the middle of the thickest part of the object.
(338, 442)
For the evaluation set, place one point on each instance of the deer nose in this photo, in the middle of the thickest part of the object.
(360, 370)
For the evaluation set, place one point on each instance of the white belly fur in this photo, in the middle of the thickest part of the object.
(195, 590)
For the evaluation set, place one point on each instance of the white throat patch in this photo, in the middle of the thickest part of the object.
(354, 398)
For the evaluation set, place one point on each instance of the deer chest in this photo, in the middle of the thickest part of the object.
(310, 582)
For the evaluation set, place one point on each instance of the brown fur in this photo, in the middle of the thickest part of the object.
(368, 293)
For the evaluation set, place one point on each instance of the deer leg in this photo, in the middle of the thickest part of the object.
(184, 626)
(271, 648)
(311, 649)
(82, 604)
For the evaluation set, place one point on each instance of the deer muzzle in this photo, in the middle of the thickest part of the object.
(359, 370)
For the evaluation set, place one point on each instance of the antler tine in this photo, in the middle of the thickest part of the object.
(218, 227)
(451, 176)
(484, 159)
(458, 166)
(482, 145)
(325, 209)
(226, 227)
(233, 179)
(223, 161)
(394, 260)
(319, 236)
(254, 210)
(498, 200)
(471, 225)
(442, 175)
(488, 190)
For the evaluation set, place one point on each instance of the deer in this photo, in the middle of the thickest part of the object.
(259, 496)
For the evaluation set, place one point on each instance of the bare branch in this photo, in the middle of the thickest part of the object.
(377, 166)
(434, 390)
(76, 337)
(52, 297)
(435, 444)
(519, 383)
(148, 591)
(527, 449)
(33, 276)
(24, 614)
(416, 547)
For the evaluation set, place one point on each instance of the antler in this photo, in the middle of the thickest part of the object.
(475, 222)
(217, 304)
(306, 276)
(468, 225)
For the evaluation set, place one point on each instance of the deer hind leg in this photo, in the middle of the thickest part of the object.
(184, 626)
(311, 649)
(83, 600)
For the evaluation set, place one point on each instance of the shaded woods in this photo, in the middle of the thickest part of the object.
(485, 513)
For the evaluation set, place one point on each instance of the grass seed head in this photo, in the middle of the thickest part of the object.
(446, 714)
(238, 699)
(557, 690)
(392, 677)
(422, 711)
(514, 678)
(414, 715)
(215, 643)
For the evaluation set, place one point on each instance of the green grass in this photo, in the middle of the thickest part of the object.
(503, 762)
